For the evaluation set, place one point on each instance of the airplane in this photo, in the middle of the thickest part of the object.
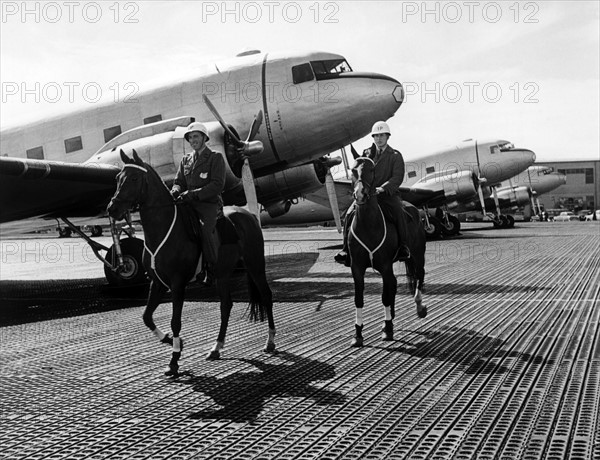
(274, 117)
(536, 180)
(449, 178)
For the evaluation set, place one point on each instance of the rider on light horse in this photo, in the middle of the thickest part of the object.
(389, 174)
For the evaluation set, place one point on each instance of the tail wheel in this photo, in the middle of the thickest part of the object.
(133, 272)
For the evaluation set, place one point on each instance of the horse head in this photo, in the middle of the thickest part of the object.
(131, 186)
(364, 176)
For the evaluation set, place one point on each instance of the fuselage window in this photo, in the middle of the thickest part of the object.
(412, 173)
(430, 169)
(36, 153)
(73, 144)
(494, 149)
(302, 73)
(330, 68)
(111, 133)
(152, 119)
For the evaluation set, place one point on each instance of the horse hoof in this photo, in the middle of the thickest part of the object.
(270, 348)
(387, 332)
(167, 339)
(172, 371)
(422, 311)
(357, 342)
(213, 355)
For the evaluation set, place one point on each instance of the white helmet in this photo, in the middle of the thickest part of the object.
(196, 126)
(381, 127)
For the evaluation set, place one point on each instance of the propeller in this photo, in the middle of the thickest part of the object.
(480, 181)
(328, 163)
(244, 149)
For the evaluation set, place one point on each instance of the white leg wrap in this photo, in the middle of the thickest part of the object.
(388, 313)
(359, 316)
(177, 344)
(159, 334)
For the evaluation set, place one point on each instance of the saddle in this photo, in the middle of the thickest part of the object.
(226, 231)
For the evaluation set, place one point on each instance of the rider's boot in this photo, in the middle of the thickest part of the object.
(343, 257)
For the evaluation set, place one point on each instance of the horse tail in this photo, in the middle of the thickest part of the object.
(256, 308)
(415, 266)
(252, 243)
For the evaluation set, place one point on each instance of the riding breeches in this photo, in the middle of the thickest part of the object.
(393, 209)
(208, 214)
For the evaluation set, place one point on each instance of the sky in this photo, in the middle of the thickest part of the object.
(526, 72)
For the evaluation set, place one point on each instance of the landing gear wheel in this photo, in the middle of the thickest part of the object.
(452, 228)
(133, 272)
(64, 232)
(433, 230)
(96, 230)
(511, 221)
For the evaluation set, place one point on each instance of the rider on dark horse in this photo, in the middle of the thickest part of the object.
(199, 182)
(389, 174)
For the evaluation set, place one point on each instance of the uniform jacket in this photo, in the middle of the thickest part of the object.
(389, 168)
(203, 176)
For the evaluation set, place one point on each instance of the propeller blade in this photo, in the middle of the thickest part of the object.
(238, 143)
(333, 202)
(481, 200)
(258, 119)
(354, 152)
(250, 189)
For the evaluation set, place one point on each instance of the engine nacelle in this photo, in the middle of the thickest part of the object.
(279, 208)
(289, 184)
(162, 145)
(514, 197)
(458, 185)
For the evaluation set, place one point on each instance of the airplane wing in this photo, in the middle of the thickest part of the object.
(36, 188)
(343, 192)
(343, 187)
(420, 196)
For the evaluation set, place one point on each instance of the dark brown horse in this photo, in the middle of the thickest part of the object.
(171, 253)
(373, 242)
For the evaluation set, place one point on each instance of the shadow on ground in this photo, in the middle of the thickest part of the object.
(241, 396)
(474, 351)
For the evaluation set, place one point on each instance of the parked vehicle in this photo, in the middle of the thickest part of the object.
(590, 216)
(566, 216)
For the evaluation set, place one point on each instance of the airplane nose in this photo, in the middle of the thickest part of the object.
(388, 91)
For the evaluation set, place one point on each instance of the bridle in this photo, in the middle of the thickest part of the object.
(367, 186)
(142, 201)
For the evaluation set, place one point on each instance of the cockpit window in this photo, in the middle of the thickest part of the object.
(330, 68)
(507, 146)
(494, 149)
(302, 73)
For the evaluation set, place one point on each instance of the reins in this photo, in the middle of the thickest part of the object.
(369, 187)
(154, 254)
(372, 253)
